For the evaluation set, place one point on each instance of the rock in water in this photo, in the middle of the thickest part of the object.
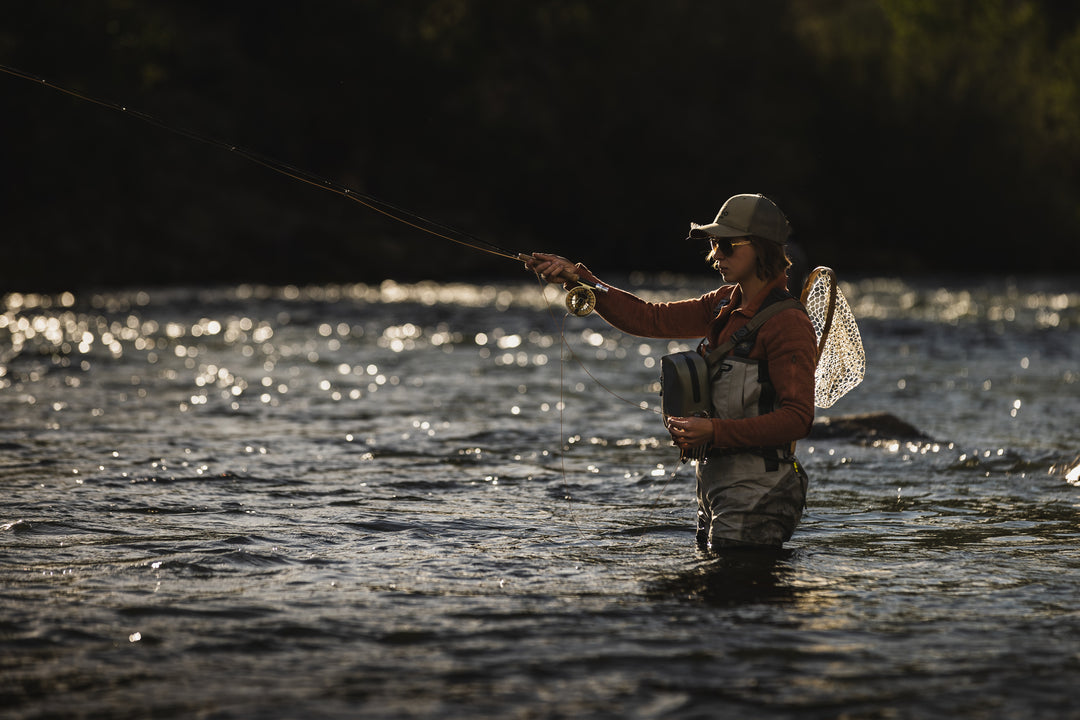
(869, 426)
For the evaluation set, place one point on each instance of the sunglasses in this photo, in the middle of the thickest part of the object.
(725, 246)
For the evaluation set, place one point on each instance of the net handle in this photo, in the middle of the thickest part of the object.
(827, 324)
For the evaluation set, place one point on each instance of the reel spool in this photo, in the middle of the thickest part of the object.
(581, 301)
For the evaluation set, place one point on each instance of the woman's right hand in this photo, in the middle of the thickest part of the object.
(552, 268)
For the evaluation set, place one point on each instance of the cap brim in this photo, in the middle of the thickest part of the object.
(700, 232)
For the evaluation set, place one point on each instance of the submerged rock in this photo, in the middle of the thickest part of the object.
(868, 426)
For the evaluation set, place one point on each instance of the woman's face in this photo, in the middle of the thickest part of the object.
(738, 265)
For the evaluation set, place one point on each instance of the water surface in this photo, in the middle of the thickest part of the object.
(414, 501)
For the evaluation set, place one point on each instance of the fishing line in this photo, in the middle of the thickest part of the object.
(563, 443)
(654, 410)
(567, 351)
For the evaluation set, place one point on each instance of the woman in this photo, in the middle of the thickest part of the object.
(751, 490)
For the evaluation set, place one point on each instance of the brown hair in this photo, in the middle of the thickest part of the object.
(772, 260)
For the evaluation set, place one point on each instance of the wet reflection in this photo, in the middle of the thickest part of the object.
(735, 577)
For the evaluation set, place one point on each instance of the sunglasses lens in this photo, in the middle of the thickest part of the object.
(722, 245)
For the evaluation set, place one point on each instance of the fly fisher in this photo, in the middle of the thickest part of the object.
(751, 490)
(765, 361)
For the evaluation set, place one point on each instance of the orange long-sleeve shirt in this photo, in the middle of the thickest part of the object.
(786, 343)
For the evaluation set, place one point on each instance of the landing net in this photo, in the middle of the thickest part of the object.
(841, 359)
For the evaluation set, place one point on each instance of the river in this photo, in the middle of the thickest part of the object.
(414, 500)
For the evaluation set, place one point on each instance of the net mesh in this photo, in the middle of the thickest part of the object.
(841, 359)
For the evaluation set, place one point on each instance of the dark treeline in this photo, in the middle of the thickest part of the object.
(899, 136)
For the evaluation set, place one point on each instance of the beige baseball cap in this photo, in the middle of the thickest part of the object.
(745, 215)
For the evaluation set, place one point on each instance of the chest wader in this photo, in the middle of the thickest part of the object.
(747, 496)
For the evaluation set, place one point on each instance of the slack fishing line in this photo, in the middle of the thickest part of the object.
(579, 301)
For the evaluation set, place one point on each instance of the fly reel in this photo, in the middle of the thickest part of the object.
(581, 300)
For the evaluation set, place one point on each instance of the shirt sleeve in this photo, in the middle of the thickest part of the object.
(631, 314)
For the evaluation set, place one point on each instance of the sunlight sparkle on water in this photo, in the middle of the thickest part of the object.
(1073, 475)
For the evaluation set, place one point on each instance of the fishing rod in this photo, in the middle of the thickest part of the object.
(580, 300)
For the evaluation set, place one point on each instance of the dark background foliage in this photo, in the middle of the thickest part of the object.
(898, 135)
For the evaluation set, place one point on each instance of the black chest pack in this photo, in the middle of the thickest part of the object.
(686, 377)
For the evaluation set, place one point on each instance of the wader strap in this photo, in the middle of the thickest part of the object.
(766, 401)
(774, 304)
(747, 331)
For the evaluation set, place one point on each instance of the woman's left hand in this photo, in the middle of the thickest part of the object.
(689, 432)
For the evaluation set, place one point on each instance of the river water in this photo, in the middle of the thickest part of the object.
(409, 501)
